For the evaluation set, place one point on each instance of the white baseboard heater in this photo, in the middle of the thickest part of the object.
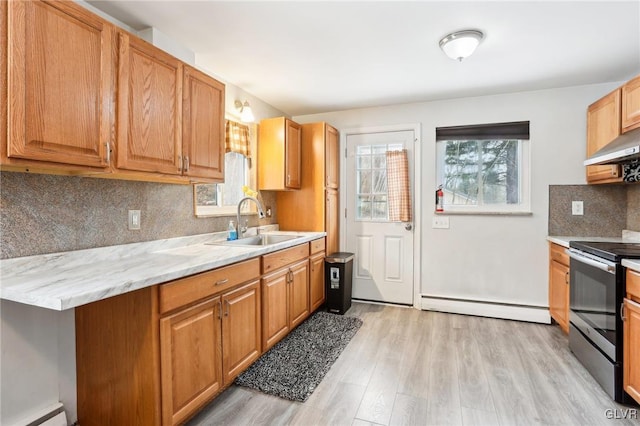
(53, 415)
(529, 313)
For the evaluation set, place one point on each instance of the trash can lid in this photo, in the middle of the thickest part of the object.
(339, 257)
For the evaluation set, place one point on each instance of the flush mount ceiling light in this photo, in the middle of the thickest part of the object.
(461, 44)
(246, 114)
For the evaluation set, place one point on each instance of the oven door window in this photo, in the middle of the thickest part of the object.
(593, 298)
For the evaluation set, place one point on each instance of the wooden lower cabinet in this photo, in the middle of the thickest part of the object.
(316, 281)
(204, 347)
(631, 338)
(155, 356)
(241, 329)
(285, 301)
(559, 286)
(191, 359)
(299, 293)
(117, 360)
(275, 307)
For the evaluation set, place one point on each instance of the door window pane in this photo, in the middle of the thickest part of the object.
(371, 184)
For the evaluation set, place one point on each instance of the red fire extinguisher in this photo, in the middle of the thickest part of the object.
(439, 199)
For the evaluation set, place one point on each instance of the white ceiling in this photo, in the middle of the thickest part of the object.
(308, 57)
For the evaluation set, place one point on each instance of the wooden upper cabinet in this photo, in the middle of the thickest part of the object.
(332, 157)
(279, 154)
(149, 108)
(319, 186)
(293, 158)
(631, 105)
(203, 125)
(60, 84)
(603, 126)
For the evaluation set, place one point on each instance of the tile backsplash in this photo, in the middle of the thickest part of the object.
(47, 214)
(608, 209)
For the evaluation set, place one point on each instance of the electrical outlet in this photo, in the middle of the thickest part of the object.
(440, 222)
(577, 208)
(134, 219)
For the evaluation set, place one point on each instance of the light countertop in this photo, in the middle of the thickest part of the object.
(632, 264)
(564, 240)
(627, 236)
(65, 280)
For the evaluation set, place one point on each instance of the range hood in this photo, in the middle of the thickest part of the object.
(623, 149)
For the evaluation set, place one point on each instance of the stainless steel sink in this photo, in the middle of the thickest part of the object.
(257, 240)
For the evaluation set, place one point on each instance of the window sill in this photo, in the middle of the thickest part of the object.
(225, 213)
(481, 213)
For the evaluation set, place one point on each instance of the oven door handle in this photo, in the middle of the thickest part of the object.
(602, 266)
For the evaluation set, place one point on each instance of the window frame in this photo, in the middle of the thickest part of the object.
(524, 181)
(250, 181)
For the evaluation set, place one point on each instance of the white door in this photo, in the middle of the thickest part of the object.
(383, 264)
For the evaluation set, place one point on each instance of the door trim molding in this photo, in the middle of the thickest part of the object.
(417, 192)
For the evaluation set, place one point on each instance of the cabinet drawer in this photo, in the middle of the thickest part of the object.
(633, 284)
(187, 290)
(317, 245)
(273, 261)
(557, 253)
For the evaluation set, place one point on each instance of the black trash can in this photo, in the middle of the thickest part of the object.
(338, 273)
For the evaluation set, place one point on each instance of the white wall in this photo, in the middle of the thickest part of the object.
(491, 258)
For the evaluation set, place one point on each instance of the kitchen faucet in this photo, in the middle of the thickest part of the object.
(242, 229)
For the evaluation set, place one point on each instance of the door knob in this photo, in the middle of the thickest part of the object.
(408, 227)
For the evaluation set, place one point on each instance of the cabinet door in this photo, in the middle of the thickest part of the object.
(241, 332)
(332, 221)
(292, 154)
(202, 125)
(631, 345)
(631, 105)
(603, 125)
(332, 158)
(298, 293)
(149, 108)
(60, 83)
(316, 281)
(191, 359)
(275, 308)
(559, 294)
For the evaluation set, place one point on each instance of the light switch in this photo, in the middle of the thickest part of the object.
(134, 219)
(577, 208)
(440, 222)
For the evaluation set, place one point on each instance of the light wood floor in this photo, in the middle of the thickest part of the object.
(410, 367)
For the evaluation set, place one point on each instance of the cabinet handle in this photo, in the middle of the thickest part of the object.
(566, 277)
(108, 153)
(220, 282)
(179, 163)
(623, 317)
(227, 304)
(186, 163)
